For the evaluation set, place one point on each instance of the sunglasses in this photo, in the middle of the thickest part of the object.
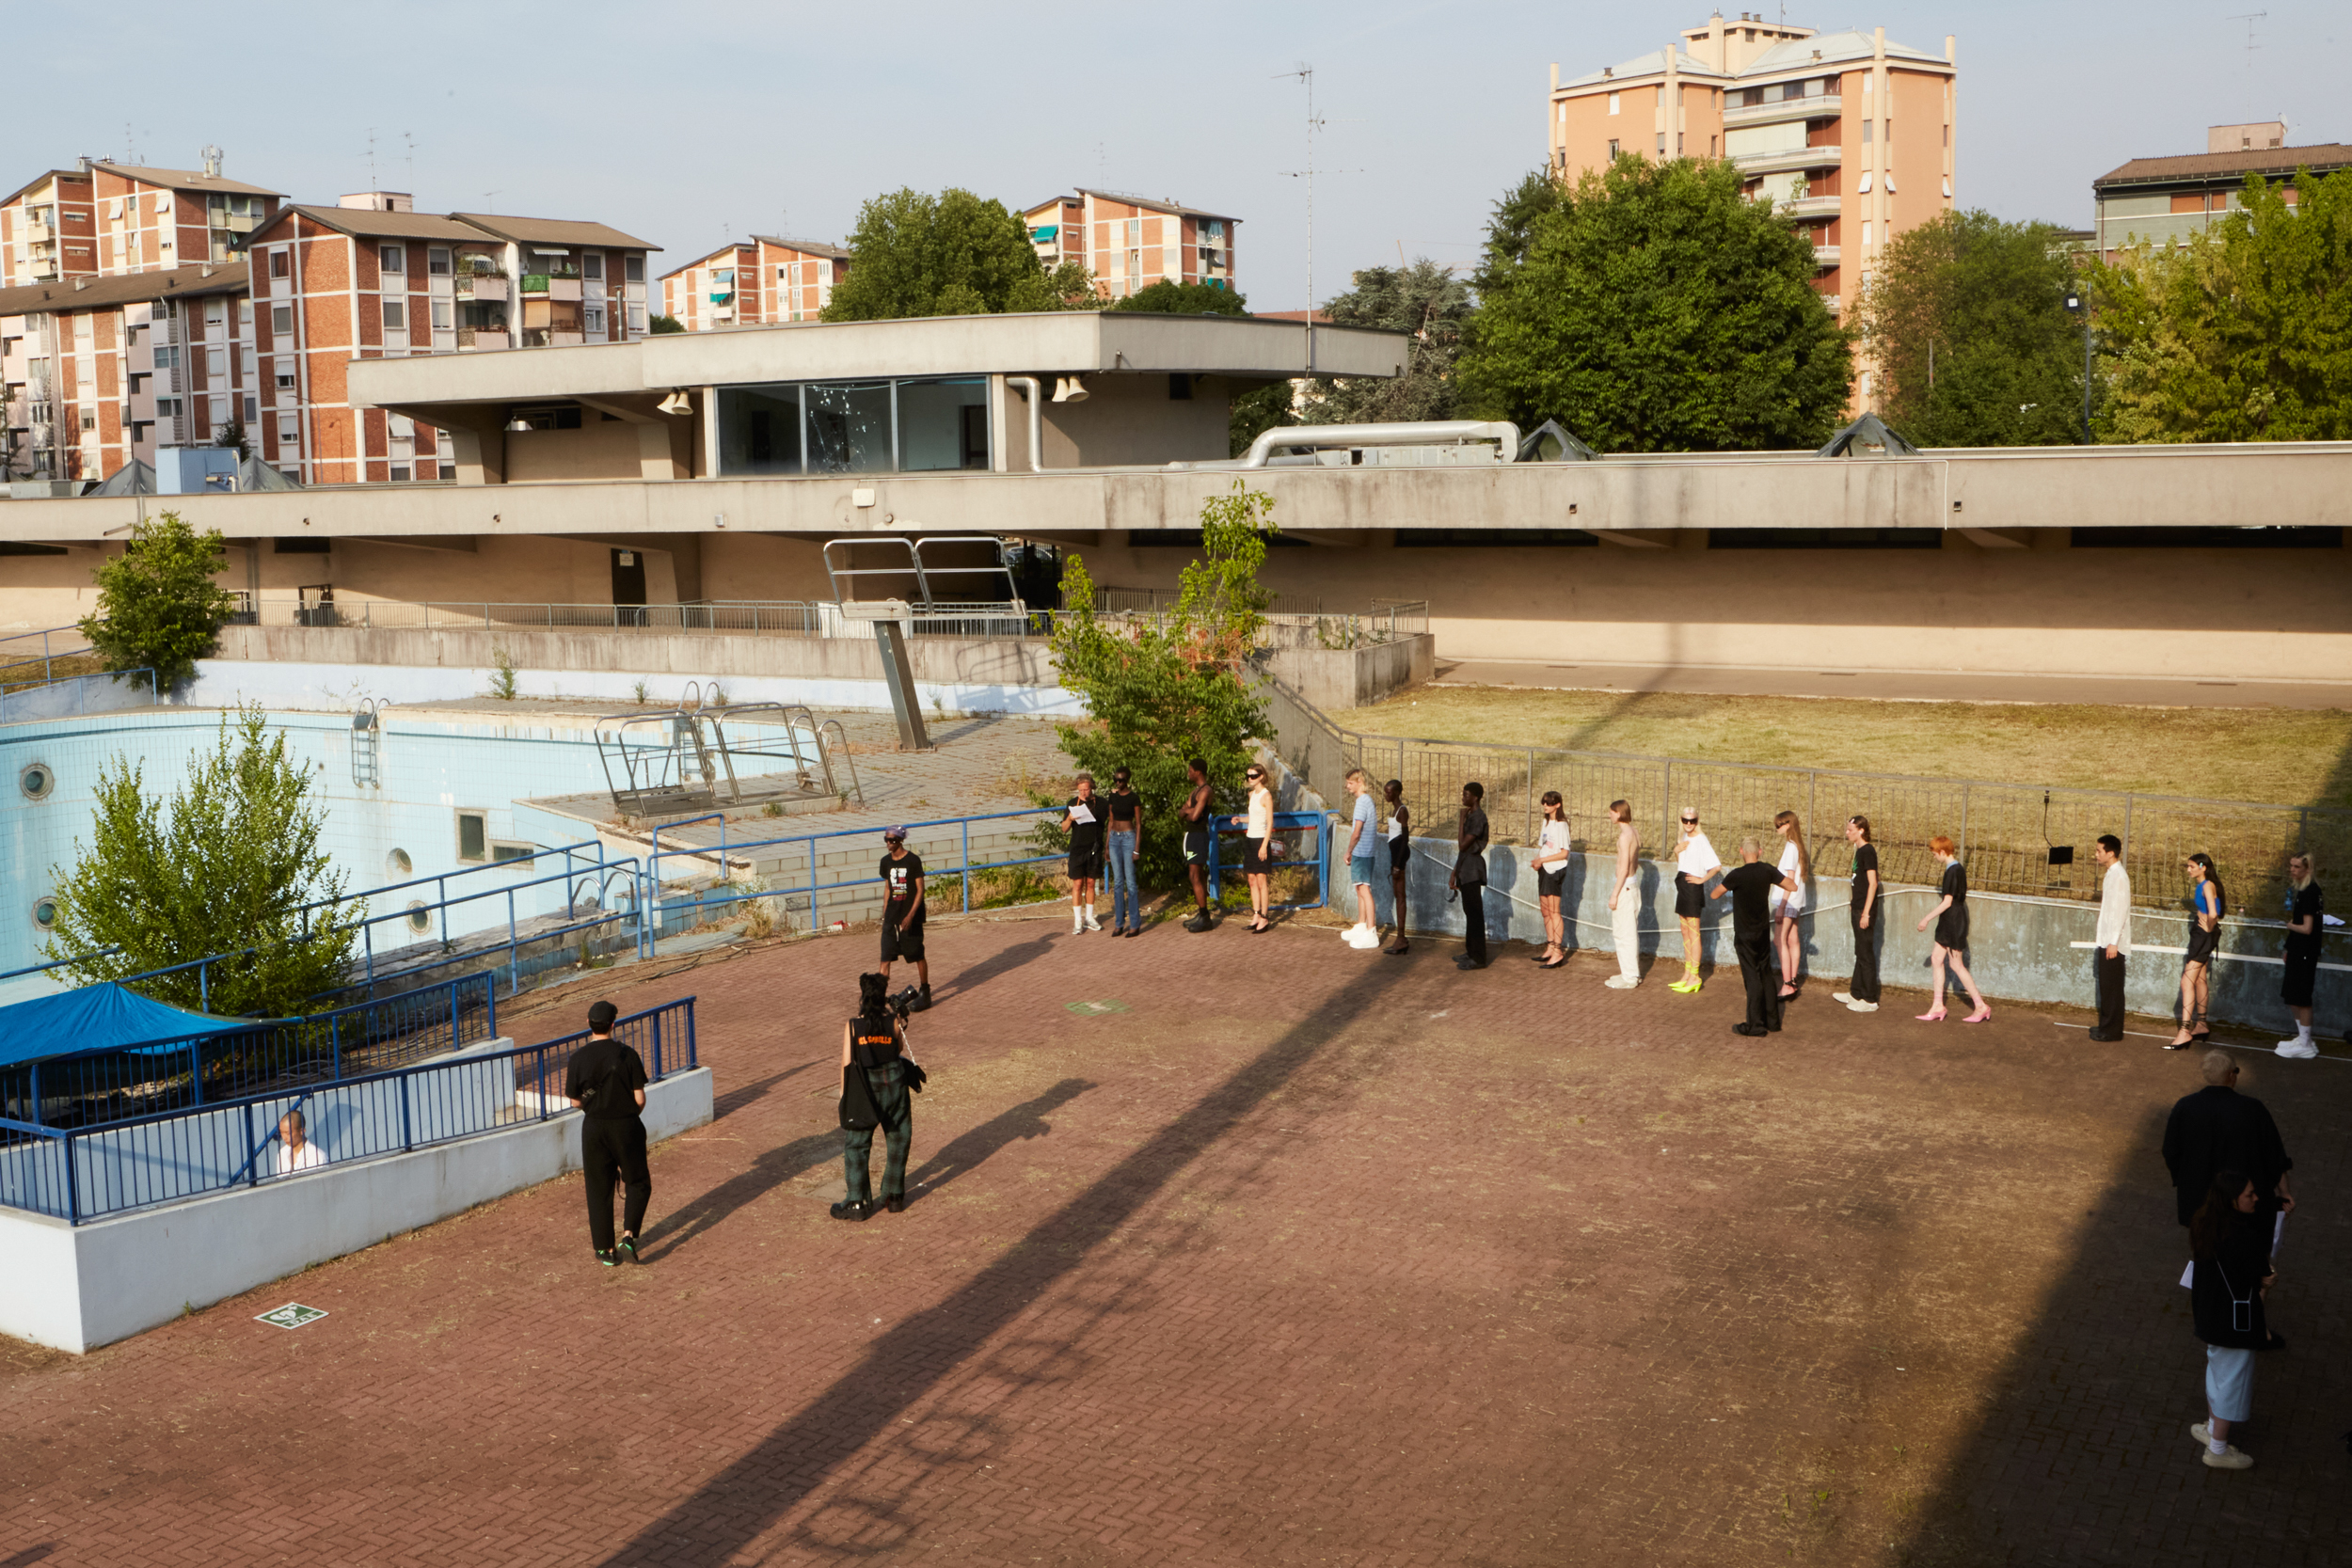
(1690, 821)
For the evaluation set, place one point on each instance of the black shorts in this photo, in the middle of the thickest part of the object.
(1690, 897)
(895, 947)
(1952, 929)
(1400, 853)
(2302, 977)
(1196, 846)
(1086, 862)
(1253, 858)
(2201, 945)
(1548, 883)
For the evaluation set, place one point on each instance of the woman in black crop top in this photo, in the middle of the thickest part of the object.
(874, 1041)
(1126, 836)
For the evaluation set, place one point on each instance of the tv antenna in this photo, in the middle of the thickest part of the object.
(411, 140)
(1306, 75)
(2249, 18)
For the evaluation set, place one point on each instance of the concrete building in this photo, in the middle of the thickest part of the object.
(372, 278)
(99, 371)
(762, 281)
(2164, 200)
(1131, 242)
(102, 219)
(1810, 119)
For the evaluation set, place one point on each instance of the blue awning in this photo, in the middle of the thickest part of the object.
(99, 1018)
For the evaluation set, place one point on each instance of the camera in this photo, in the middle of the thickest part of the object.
(904, 1001)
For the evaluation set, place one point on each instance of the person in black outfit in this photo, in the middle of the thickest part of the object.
(902, 913)
(1470, 876)
(2219, 1129)
(1400, 858)
(1750, 885)
(1862, 911)
(876, 1042)
(607, 1081)
(1194, 813)
(2307, 924)
(2230, 1275)
(1082, 819)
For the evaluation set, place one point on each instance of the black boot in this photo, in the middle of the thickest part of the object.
(860, 1212)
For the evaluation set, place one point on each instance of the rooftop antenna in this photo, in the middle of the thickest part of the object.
(1306, 75)
(411, 140)
(2249, 18)
(373, 184)
(488, 197)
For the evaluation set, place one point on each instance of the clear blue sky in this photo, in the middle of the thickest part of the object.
(689, 124)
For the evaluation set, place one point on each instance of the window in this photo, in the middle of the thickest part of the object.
(449, 471)
(285, 381)
(252, 409)
(400, 471)
(437, 261)
(288, 436)
(1455, 538)
(395, 315)
(637, 318)
(1867, 231)
(1824, 539)
(1867, 79)
(89, 418)
(1866, 133)
(634, 269)
(394, 257)
(1613, 150)
(502, 853)
(592, 266)
(279, 263)
(1662, 144)
(593, 319)
(166, 356)
(281, 320)
(444, 315)
(215, 365)
(473, 837)
(1613, 103)
(166, 408)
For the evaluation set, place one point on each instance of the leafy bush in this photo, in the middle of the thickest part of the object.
(158, 607)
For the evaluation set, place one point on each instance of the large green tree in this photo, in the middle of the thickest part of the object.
(1653, 307)
(1424, 299)
(2244, 334)
(222, 866)
(1968, 326)
(953, 254)
(1160, 689)
(158, 607)
(1169, 298)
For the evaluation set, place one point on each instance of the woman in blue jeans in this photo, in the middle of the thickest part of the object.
(1126, 831)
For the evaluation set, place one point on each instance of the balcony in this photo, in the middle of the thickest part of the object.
(1824, 255)
(482, 287)
(481, 338)
(1810, 207)
(1788, 108)
(560, 287)
(1794, 157)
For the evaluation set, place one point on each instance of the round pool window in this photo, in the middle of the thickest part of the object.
(420, 918)
(397, 863)
(36, 781)
(45, 913)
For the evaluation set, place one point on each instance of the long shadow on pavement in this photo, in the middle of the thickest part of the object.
(970, 1149)
(738, 1504)
(1001, 964)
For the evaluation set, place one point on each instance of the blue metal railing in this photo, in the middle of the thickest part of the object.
(1312, 824)
(84, 1174)
(95, 1088)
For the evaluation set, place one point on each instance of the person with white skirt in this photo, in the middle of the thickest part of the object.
(1796, 865)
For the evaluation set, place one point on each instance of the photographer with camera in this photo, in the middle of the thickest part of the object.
(902, 913)
(877, 1072)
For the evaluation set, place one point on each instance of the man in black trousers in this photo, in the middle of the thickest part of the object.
(1751, 885)
(607, 1081)
(1470, 876)
(2217, 1129)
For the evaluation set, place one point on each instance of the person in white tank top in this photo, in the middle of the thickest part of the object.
(1796, 865)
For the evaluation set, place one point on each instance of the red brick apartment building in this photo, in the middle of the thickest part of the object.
(1848, 134)
(761, 281)
(373, 278)
(1132, 242)
(101, 219)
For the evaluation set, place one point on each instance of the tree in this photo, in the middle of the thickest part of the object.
(2243, 335)
(1268, 407)
(1653, 307)
(1424, 299)
(954, 254)
(158, 607)
(223, 866)
(1968, 330)
(1160, 689)
(661, 325)
(1169, 298)
(232, 436)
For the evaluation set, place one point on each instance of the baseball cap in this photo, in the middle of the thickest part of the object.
(601, 1014)
(893, 835)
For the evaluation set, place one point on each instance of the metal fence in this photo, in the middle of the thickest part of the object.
(2003, 831)
(768, 617)
(21, 652)
(83, 1174)
(97, 1087)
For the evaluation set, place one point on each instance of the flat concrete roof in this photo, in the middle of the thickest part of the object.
(1068, 343)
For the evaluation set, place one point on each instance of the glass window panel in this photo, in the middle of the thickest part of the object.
(943, 424)
(759, 429)
(848, 427)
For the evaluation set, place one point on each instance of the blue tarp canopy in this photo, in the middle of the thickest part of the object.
(98, 1017)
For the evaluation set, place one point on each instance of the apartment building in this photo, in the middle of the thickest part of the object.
(103, 220)
(97, 373)
(1810, 119)
(372, 278)
(1131, 242)
(761, 281)
(2164, 200)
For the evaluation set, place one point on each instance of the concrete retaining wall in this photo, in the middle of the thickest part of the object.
(1336, 679)
(77, 1287)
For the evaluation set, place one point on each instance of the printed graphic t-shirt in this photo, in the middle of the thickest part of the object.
(898, 878)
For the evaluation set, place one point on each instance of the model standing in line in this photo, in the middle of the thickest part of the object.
(1362, 839)
(1470, 876)
(1951, 919)
(1082, 819)
(1694, 862)
(2206, 905)
(2114, 939)
(2230, 1277)
(1551, 878)
(1861, 995)
(1194, 813)
(1126, 835)
(1625, 899)
(1257, 825)
(2307, 923)
(1400, 830)
(1796, 869)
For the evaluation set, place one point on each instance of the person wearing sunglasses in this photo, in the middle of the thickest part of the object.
(1257, 825)
(1695, 861)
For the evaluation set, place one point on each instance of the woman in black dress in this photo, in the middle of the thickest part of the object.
(1951, 919)
(2206, 903)
(1400, 856)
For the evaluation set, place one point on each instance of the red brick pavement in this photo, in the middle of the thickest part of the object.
(1310, 1256)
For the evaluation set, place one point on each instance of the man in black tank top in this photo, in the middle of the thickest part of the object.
(607, 1081)
(874, 1043)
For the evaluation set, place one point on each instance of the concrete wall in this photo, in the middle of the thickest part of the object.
(1334, 679)
(77, 1287)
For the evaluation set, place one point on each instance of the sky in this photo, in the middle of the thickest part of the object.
(692, 125)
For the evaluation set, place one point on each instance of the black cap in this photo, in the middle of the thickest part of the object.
(600, 1016)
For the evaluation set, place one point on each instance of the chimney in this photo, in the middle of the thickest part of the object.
(212, 162)
(80, 283)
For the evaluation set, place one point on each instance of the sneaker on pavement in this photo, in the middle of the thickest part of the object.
(2298, 1050)
(2227, 1459)
(610, 1257)
(1619, 982)
(1846, 997)
(2201, 1434)
(1861, 1006)
(1091, 923)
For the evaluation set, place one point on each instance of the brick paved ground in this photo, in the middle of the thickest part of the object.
(1308, 1257)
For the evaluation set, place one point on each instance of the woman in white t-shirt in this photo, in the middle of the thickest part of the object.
(1796, 865)
(1552, 877)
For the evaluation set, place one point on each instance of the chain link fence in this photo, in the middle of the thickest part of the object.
(2004, 832)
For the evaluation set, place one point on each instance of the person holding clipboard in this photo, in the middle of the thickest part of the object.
(1083, 821)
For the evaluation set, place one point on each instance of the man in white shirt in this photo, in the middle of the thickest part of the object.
(1695, 861)
(1625, 900)
(2114, 938)
(295, 1151)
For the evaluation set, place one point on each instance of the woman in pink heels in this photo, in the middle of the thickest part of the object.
(1950, 916)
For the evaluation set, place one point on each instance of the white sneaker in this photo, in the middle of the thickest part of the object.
(1353, 932)
(1078, 924)
(1841, 996)
(1621, 982)
(1861, 1006)
(1364, 939)
(1091, 922)
(2229, 1459)
(2301, 1050)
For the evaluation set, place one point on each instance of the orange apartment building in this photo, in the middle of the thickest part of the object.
(99, 371)
(1132, 242)
(373, 278)
(101, 219)
(761, 281)
(1848, 134)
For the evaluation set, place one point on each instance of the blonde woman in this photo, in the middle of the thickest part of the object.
(1257, 825)
(1796, 865)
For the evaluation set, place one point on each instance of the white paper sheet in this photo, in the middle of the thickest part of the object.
(1080, 814)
